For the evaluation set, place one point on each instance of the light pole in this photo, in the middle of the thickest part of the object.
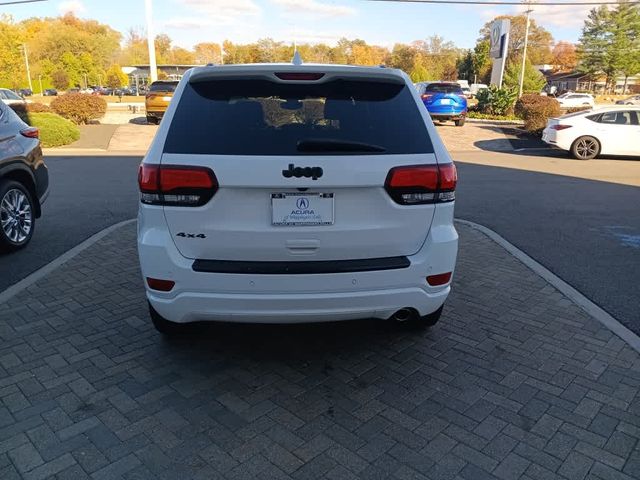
(153, 68)
(524, 50)
(40, 80)
(26, 62)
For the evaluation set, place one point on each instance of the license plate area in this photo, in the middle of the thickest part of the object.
(302, 209)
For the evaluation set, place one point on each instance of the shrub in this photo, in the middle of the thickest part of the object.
(55, 131)
(496, 101)
(24, 109)
(535, 110)
(79, 108)
(578, 109)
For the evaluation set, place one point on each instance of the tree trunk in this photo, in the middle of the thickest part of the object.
(624, 88)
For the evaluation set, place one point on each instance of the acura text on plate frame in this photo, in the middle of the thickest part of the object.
(302, 209)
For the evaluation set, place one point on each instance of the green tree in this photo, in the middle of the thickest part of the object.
(533, 81)
(482, 61)
(116, 78)
(610, 42)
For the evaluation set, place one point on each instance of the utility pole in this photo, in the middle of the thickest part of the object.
(153, 68)
(40, 80)
(26, 62)
(524, 50)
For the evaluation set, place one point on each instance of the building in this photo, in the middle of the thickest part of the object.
(579, 81)
(140, 73)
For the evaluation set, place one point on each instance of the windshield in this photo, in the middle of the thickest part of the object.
(259, 117)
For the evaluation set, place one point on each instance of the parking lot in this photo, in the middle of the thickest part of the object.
(516, 381)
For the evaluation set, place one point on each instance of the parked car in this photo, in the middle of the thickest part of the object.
(25, 92)
(158, 98)
(444, 101)
(50, 92)
(24, 180)
(572, 100)
(287, 193)
(588, 134)
(9, 97)
(467, 92)
(476, 87)
(635, 100)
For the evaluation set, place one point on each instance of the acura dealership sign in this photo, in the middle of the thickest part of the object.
(499, 44)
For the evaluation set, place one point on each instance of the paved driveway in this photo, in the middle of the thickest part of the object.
(515, 383)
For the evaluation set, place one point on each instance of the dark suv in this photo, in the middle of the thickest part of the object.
(24, 180)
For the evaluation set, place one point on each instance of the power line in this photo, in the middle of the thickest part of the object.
(500, 2)
(16, 2)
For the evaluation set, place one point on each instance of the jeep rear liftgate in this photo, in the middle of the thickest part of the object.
(297, 170)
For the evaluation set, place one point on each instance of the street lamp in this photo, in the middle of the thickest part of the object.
(26, 62)
(524, 50)
(153, 68)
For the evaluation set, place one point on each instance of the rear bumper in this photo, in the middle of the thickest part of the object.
(448, 115)
(155, 113)
(282, 298)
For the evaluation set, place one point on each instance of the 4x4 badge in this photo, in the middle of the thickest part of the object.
(310, 172)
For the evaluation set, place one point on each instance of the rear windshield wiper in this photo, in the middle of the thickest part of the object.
(333, 145)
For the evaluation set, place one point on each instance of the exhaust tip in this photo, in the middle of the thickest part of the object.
(404, 315)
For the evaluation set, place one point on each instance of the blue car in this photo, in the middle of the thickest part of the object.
(444, 101)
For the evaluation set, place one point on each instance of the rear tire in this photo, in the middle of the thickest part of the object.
(17, 216)
(152, 120)
(585, 148)
(164, 326)
(459, 123)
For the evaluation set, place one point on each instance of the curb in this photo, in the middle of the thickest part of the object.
(571, 293)
(497, 122)
(29, 280)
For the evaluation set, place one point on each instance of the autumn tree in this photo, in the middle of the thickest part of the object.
(207, 52)
(60, 80)
(538, 44)
(564, 56)
(116, 78)
(11, 63)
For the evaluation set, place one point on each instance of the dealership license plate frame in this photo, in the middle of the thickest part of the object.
(283, 204)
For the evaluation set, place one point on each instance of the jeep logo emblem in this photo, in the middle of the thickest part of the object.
(310, 172)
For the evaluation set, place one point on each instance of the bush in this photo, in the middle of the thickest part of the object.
(55, 131)
(24, 109)
(535, 110)
(496, 101)
(79, 108)
(577, 109)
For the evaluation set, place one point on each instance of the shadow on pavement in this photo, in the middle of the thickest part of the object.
(139, 121)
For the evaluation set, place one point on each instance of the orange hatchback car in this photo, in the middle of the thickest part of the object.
(157, 99)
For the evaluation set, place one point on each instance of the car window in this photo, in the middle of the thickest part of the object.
(619, 118)
(163, 87)
(443, 88)
(259, 117)
(11, 95)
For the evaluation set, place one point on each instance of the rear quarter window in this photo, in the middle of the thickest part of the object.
(260, 117)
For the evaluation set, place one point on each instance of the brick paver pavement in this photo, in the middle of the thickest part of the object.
(514, 383)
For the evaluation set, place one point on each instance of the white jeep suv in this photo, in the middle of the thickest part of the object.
(287, 193)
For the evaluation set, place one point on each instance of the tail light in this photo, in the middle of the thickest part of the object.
(560, 127)
(426, 96)
(299, 76)
(420, 184)
(31, 132)
(176, 185)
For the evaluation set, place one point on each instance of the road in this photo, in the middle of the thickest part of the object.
(587, 232)
(87, 195)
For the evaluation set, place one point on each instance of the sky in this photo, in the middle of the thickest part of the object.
(189, 22)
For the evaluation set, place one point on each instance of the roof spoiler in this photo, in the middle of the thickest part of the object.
(203, 75)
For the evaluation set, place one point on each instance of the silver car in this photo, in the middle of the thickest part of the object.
(635, 100)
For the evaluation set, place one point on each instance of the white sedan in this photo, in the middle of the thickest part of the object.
(573, 100)
(604, 131)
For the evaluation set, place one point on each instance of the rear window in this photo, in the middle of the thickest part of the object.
(163, 87)
(259, 117)
(443, 88)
